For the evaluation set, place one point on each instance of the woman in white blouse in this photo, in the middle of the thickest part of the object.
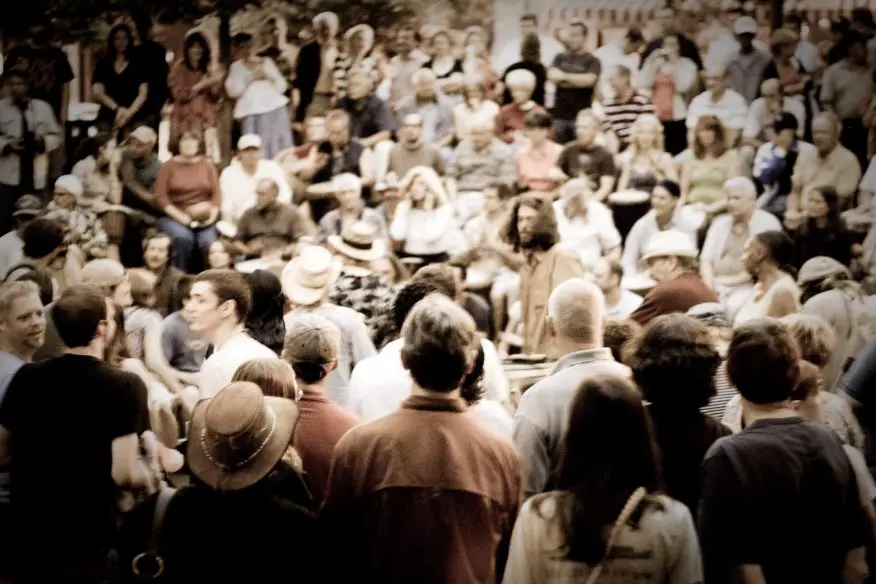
(259, 88)
(474, 106)
(585, 224)
(423, 222)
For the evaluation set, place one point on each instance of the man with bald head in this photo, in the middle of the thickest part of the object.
(434, 109)
(575, 322)
(764, 111)
(829, 164)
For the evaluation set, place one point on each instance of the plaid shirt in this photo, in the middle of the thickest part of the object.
(367, 294)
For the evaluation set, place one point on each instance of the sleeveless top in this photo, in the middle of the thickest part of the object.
(707, 178)
(757, 309)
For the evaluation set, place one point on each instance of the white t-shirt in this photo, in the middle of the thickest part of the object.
(238, 188)
(11, 252)
(628, 303)
(731, 109)
(758, 116)
(220, 367)
(868, 183)
(590, 237)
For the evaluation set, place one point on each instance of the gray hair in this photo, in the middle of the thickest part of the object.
(329, 18)
(269, 181)
(347, 181)
(743, 185)
(576, 309)
(12, 291)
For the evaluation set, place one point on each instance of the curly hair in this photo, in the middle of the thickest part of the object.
(814, 335)
(548, 233)
(619, 336)
(674, 363)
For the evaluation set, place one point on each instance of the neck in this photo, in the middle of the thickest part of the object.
(159, 271)
(663, 219)
(612, 297)
(317, 388)
(94, 350)
(821, 222)
(718, 94)
(566, 346)
(447, 395)
(250, 168)
(223, 332)
(767, 274)
(751, 412)
(23, 353)
(743, 218)
(626, 94)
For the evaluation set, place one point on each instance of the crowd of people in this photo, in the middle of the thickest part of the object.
(308, 349)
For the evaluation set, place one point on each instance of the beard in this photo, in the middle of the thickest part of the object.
(537, 242)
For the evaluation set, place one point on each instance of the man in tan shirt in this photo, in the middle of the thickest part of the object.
(830, 164)
(532, 230)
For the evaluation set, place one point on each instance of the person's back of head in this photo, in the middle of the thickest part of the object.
(440, 342)
(265, 319)
(575, 312)
(273, 376)
(79, 313)
(408, 297)
(442, 275)
(103, 273)
(41, 238)
(815, 337)
(762, 362)
(313, 344)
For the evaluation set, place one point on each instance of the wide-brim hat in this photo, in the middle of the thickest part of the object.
(238, 436)
(670, 244)
(307, 278)
(359, 241)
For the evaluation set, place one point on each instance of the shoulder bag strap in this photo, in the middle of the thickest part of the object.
(632, 504)
(142, 570)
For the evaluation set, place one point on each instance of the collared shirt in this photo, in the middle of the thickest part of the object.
(541, 420)
(238, 187)
(441, 520)
(719, 232)
(759, 118)
(839, 169)
(679, 294)
(848, 88)
(437, 116)
(40, 120)
(368, 117)
(475, 170)
(731, 109)
(642, 232)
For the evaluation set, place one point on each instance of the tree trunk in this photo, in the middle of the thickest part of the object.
(225, 121)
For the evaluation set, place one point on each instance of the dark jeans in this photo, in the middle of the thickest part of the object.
(186, 241)
(855, 136)
(564, 131)
(9, 195)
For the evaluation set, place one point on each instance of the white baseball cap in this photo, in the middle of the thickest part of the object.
(745, 25)
(248, 141)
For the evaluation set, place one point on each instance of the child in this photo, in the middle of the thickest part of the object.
(82, 225)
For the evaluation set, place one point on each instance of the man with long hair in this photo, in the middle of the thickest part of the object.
(532, 231)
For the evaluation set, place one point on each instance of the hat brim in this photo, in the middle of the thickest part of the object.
(303, 295)
(690, 253)
(286, 412)
(27, 213)
(377, 251)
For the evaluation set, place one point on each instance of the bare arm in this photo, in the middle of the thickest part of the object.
(372, 141)
(606, 185)
(129, 180)
(855, 570)
(129, 470)
(98, 91)
(154, 359)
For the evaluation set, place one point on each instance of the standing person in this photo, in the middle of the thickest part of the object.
(575, 73)
(313, 71)
(220, 303)
(776, 467)
(667, 21)
(404, 64)
(119, 85)
(110, 409)
(624, 108)
(313, 349)
(745, 69)
(240, 180)
(586, 159)
(575, 318)
(607, 475)
(453, 521)
(151, 58)
(532, 230)
(549, 47)
(261, 104)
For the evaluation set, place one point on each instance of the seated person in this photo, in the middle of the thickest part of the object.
(710, 164)
(510, 121)
(538, 156)
(586, 225)
(82, 226)
(432, 107)
(271, 228)
(774, 164)
(138, 172)
(184, 349)
(351, 209)
(721, 262)
(585, 158)
(298, 162)
(412, 151)
(766, 110)
(619, 302)
(423, 223)
(721, 102)
(823, 233)
(239, 181)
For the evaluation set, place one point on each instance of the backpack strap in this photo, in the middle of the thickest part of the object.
(149, 565)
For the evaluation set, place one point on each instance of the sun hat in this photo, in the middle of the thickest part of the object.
(819, 268)
(238, 436)
(307, 278)
(358, 241)
(248, 141)
(670, 244)
(144, 135)
(28, 205)
(71, 184)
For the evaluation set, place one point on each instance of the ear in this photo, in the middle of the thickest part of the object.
(549, 327)
(331, 366)
(405, 357)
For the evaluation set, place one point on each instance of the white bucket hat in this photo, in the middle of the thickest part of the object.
(670, 244)
(307, 278)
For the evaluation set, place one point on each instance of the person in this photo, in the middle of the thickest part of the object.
(29, 134)
(313, 70)
(475, 108)
(767, 257)
(138, 173)
(575, 319)
(619, 302)
(423, 222)
(151, 59)
(187, 192)
(110, 408)
(805, 51)
(259, 89)
(510, 121)
(371, 121)
(120, 85)
(624, 108)
(823, 233)
(575, 72)
(404, 64)
(195, 85)
(271, 227)
(264, 323)
(666, 20)
(745, 66)
(446, 66)
(411, 150)
(531, 229)
(607, 482)
(27, 209)
(239, 181)
(247, 501)
(856, 386)
(529, 60)
(586, 226)
(221, 255)
(672, 79)
(586, 159)
(720, 102)
(184, 349)
(672, 260)
(710, 165)
(313, 349)
(493, 414)
(455, 501)
(220, 303)
(43, 244)
(351, 209)
(665, 215)
(674, 347)
(513, 50)
(538, 156)
(434, 109)
(625, 52)
(157, 259)
(798, 463)
(766, 111)
(775, 161)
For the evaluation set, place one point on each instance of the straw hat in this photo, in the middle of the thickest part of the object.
(238, 437)
(821, 267)
(670, 244)
(358, 241)
(307, 278)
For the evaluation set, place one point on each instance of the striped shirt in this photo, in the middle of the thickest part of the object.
(620, 115)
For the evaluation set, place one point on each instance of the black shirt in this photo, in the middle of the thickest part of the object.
(536, 69)
(568, 101)
(782, 495)
(368, 116)
(815, 242)
(48, 72)
(152, 60)
(122, 87)
(63, 416)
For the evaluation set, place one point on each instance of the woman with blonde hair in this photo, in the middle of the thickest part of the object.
(585, 224)
(424, 219)
(274, 377)
(644, 164)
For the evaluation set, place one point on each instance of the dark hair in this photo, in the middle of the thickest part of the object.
(714, 124)
(531, 17)
(635, 36)
(580, 24)
(671, 187)
(265, 321)
(786, 121)
(229, 285)
(780, 249)
(618, 335)
(111, 45)
(443, 276)
(538, 119)
(193, 39)
(143, 23)
(809, 382)
(143, 287)
(608, 453)
(91, 146)
(548, 234)
(408, 296)
(184, 288)
(175, 144)
(530, 49)
(835, 226)
(18, 73)
(41, 237)
(472, 388)
(675, 347)
(794, 18)
(43, 279)
(78, 313)
(118, 348)
(762, 361)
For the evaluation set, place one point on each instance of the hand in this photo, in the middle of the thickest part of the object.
(793, 219)
(255, 247)
(857, 250)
